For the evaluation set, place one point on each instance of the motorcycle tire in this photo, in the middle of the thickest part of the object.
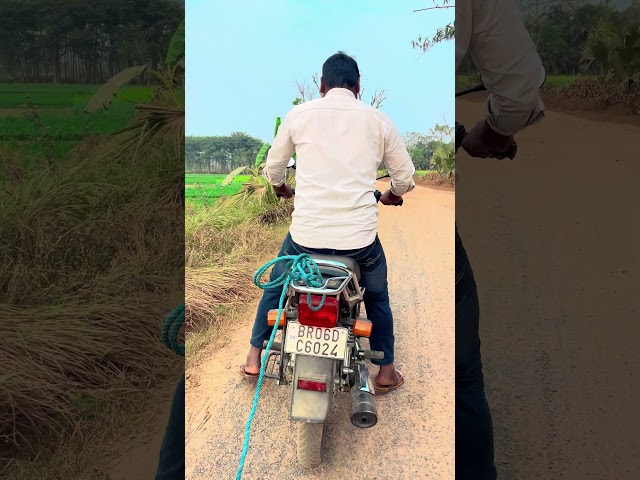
(309, 444)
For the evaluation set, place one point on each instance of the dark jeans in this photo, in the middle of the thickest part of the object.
(373, 271)
(474, 430)
(171, 464)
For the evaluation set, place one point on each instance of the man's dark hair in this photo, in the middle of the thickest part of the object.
(340, 70)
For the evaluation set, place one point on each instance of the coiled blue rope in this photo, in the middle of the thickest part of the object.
(171, 328)
(299, 268)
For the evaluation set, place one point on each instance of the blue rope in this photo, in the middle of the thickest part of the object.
(171, 328)
(299, 268)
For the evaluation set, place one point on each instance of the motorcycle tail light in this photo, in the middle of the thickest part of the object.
(326, 317)
(312, 385)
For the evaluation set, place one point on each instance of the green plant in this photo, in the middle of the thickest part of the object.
(45, 136)
(154, 118)
(615, 48)
(257, 189)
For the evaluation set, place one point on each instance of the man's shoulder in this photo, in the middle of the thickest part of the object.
(321, 103)
(385, 123)
(378, 114)
(297, 109)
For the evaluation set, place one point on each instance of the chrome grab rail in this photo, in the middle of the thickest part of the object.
(324, 290)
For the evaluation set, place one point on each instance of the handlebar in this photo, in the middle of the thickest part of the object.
(378, 195)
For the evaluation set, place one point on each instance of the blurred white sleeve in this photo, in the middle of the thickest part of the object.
(507, 59)
(398, 163)
(281, 151)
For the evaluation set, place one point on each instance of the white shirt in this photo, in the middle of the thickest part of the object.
(339, 143)
(494, 34)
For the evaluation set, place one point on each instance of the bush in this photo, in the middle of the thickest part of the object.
(598, 93)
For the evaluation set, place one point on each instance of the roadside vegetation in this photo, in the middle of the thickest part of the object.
(89, 263)
(591, 53)
(226, 240)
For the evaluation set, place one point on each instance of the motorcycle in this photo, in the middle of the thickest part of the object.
(321, 353)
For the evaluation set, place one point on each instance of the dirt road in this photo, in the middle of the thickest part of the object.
(414, 438)
(553, 237)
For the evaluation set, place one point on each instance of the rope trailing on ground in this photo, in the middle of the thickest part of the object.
(171, 328)
(299, 268)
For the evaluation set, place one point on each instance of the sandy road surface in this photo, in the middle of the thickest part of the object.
(414, 437)
(553, 237)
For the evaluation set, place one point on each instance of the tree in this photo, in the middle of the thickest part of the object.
(220, 154)
(307, 92)
(83, 41)
(443, 34)
(421, 148)
(444, 157)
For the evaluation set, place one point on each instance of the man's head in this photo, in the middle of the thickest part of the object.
(340, 71)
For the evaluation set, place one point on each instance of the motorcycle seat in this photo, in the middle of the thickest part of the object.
(328, 271)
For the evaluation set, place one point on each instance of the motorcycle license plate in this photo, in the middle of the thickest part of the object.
(315, 341)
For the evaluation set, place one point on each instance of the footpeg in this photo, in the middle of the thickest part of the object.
(275, 346)
(373, 355)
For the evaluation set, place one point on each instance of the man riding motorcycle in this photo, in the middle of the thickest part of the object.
(493, 33)
(340, 142)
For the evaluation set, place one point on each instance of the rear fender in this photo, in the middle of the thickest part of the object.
(307, 405)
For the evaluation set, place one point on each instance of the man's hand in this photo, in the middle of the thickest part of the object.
(482, 141)
(389, 198)
(284, 191)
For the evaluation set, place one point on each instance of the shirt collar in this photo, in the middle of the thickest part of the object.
(343, 92)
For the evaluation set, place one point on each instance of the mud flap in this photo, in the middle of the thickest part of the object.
(307, 405)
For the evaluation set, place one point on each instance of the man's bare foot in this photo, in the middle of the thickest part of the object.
(388, 378)
(387, 375)
(252, 365)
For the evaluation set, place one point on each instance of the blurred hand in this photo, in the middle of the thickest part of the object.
(482, 141)
(389, 198)
(284, 191)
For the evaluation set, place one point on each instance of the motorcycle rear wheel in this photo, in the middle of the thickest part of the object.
(309, 444)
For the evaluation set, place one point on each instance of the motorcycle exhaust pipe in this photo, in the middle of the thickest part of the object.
(364, 413)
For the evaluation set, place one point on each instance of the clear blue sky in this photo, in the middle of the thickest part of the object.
(244, 56)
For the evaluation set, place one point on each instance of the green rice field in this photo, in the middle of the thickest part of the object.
(60, 109)
(205, 189)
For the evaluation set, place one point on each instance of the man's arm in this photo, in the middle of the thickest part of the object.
(398, 163)
(281, 151)
(507, 59)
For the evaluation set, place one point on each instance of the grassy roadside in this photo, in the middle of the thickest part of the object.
(224, 245)
(428, 178)
(556, 82)
(89, 268)
(590, 95)
(432, 178)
